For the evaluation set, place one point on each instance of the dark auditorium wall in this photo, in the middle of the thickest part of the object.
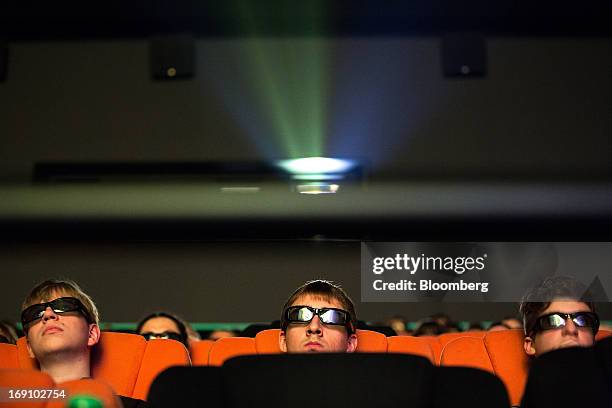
(205, 282)
(543, 108)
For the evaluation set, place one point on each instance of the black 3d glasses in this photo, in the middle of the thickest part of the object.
(557, 320)
(59, 305)
(327, 315)
(164, 335)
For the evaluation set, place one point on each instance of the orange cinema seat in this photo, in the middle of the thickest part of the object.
(127, 362)
(199, 351)
(266, 341)
(226, 348)
(419, 346)
(9, 356)
(35, 380)
(500, 353)
(18, 378)
(602, 334)
(369, 341)
(88, 387)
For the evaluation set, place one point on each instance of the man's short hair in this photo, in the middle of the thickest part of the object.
(47, 289)
(325, 290)
(541, 296)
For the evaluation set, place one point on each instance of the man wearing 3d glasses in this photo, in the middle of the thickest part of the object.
(566, 319)
(318, 317)
(61, 325)
(60, 322)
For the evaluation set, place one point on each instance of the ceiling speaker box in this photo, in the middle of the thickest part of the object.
(172, 57)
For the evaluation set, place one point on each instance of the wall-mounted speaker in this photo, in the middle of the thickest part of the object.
(172, 57)
(464, 55)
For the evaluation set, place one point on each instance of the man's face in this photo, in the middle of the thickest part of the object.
(568, 336)
(60, 333)
(316, 336)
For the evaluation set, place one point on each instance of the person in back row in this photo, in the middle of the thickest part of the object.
(163, 325)
(318, 317)
(558, 314)
(61, 326)
(8, 332)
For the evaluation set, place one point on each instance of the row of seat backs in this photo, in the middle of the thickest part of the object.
(24, 378)
(127, 362)
(500, 353)
(327, 380)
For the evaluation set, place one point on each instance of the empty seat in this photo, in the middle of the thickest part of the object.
(410, 345)
(500, 353)
(437, 343)
(446, 338)
(199, 351)
(226, 348)
(9, 356)
(369, 341)
(158, 355)
(266, 341)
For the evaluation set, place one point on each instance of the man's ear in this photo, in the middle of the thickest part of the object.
(352, 343)
(282, 341)
(529, 346)
(94, 335)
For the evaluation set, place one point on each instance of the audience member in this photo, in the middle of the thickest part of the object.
(441, 319)
(8, 332)
(318, 317)
(512, 322)
(221, 334)
(498, 326)
(475, 326)
(398, 324)
(507, 323)
(163, 325)
(558, 314)
(60, 323)
(428, 327)
(452, 327)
